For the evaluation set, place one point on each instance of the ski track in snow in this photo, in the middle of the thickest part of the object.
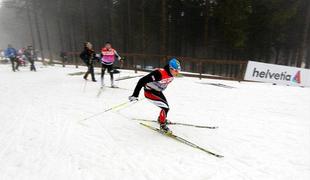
(263, 133)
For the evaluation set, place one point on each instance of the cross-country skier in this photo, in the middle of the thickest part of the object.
(88, 55)
(64, 57)
(11, 53)
(31, 55)
(21, 57)
(154, 83)
(108, 55)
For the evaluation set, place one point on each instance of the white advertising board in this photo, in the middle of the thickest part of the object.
(264, 72)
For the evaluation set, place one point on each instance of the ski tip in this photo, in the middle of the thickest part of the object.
(143, 124)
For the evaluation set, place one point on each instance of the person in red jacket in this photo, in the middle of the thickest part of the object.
(154, 83)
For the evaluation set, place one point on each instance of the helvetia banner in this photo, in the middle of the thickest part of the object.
(263, 72)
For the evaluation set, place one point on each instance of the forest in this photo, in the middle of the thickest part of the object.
(273, 31)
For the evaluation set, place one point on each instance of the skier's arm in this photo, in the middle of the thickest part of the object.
(117, 55)
(153, 76)
(82, 55)
(6, 53)
(14, 52)
(94, 55)
(85, 57)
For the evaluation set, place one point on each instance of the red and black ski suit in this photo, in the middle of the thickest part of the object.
(154, 83)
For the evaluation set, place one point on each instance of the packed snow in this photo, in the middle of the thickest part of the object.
(264, 130)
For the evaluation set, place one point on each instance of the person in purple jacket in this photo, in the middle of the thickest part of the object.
(108, 55)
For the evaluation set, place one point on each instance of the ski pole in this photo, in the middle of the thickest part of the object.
(133, 102)
(109, 109)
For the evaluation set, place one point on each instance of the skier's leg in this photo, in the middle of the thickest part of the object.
(162, 119)
(63, 61)
(29, 60)
(164, 110)
(31, 65)
(110, 70)
(92, 73)
(34, 67)
(13, 65)
(159, 100)
(87, 72)
(17, 64)
(102, 74)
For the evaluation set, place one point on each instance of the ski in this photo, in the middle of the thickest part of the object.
(177, 123)
(120, 88)
(182, 140)
(127, 77)
(100, 91)
(218, 85)
(102, 88)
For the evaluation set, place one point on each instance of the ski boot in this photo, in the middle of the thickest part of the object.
(112, 84)
(164, 128)
(102, 83)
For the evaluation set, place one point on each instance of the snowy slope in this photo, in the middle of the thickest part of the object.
(264, 130)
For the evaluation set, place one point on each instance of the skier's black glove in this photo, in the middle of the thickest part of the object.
(132, 98)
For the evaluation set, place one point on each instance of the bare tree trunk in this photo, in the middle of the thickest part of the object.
(60, 33)
(36, 21)
(206, 27)
(74, 43)
(47, 39)
(143, 31)
(295, 58)
(143, 25)
(69, 38)
(163, 29)
(61, 43)
(85, 20)
(61, 40)
(109, 5)
(124, 27)
(277, 55)
(303, 50)
(289, 57)
(128, 25)
(30, 25)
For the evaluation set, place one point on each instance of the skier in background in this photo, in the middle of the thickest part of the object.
(21, 56)
(108, 55)
(88, 56)
(154, 83)
(31, 55)
(64, 57)
(11, 53)
(1, 54)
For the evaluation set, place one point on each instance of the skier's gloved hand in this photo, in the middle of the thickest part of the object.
(132, 98)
